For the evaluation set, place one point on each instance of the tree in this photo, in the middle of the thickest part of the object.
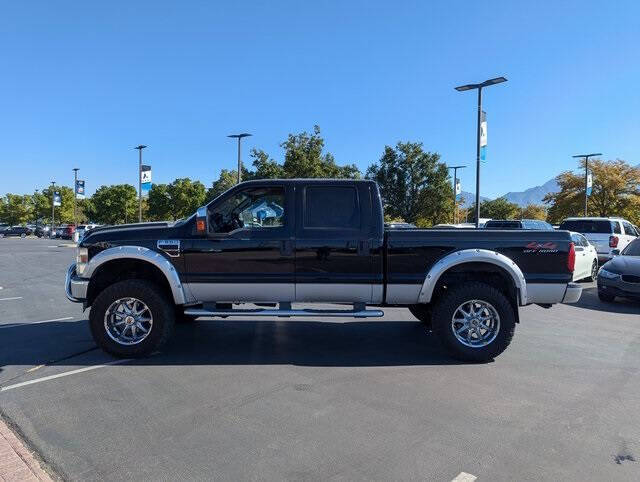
(63, 213)
(414, 184)
(615, 191)
(16, 209)
(303, 158)
(177, 200)
(534, 211)
(114, 204)
(498, 208)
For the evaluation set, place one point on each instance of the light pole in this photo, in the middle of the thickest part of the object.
(75, 187)
(53, 205)
(479, 87)
(239, 137)
(140, 147)
(586, 176)
(455, 186)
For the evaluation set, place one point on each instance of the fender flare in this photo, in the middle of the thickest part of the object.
(473, 256)
(142, 254)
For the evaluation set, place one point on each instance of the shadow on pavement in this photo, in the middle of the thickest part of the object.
(254, 342)
(590, 301)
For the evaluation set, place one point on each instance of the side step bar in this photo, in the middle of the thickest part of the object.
(359, 311)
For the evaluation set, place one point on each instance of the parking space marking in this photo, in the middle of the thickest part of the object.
(12, 298)
(464, 477)
(13, 325)
(63, 374)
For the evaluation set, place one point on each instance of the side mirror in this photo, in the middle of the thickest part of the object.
(615, 252)
(202, 221)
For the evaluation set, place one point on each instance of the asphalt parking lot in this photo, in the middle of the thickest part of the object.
(306, 399)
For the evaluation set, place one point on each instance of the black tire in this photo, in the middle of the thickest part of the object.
(606, 297)
(423, 312)
(447, 306)
(594, 272)
(151, 295)
(22, 235)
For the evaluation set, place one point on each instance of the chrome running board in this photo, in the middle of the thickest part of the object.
(359, 311)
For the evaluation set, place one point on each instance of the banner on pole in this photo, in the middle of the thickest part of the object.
(79, 189)
(589, 184)
(483, 129)
(458, 188)
(145, 179)
(57, 199)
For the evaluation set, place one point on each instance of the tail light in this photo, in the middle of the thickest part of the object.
(613, 241)
(571, 260)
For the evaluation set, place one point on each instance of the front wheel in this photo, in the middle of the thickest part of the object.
(474, 321)
(131, 319)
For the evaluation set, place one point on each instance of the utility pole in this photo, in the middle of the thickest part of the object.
(239, 137)
(53, 207)
(586, 177)
(140, 147)
(455, 187)
(75, 188)
(479, 87)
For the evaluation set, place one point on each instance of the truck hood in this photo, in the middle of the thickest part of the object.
(123, 232)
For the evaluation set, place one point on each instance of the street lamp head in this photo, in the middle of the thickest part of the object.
(240, 136)
(497, 80)
(140, 147)
(456, 167)
(75, 169)
(589, 155)
(462, 88)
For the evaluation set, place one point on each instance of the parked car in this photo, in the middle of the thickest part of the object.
(621, 275)
(606, 234)
(59, 231)
(20, 231)
(586, 258)
(304, 240)
(517, 224)
(67, 232)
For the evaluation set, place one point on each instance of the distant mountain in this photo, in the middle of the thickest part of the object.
(533, 195)
(470, 198)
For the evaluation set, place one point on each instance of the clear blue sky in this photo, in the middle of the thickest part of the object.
(84, 82)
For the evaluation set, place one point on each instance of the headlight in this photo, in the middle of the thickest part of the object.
(608, 274)
(82, 258)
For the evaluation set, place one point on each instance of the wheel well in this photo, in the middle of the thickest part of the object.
(122, 269)
(487, 273)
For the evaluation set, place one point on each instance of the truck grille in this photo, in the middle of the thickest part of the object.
(630, 278)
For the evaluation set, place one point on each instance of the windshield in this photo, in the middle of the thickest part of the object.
(588, 226)
(632, 249)
(503, 224)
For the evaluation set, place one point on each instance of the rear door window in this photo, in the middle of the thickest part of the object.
(616, 227)
(331, 207)
(628, 229)
(588, 226)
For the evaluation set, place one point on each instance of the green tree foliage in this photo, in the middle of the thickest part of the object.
(16, 209)
(615, 192)
(414, 184)
(114, 204)
(303, 158)
(534, 211)
(177, 200)
(498, 208)
(63, 213)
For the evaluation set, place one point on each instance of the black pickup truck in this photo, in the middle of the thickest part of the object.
(277, 242)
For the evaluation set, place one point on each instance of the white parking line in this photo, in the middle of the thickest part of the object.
(63, 374)
(13, 325)
(464, 477)
(12, 298)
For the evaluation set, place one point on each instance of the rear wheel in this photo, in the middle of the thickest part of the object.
(131, 318)
(22, 235)
(606, 297)
(594, 271)
(474, 321)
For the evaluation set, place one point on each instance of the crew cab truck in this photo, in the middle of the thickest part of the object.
(277, 242)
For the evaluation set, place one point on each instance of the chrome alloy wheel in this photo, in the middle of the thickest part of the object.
(128, 321)
(475, 323)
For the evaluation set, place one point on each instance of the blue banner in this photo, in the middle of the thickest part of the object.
(79, 189)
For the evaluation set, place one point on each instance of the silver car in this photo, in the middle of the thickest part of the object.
(621, 275)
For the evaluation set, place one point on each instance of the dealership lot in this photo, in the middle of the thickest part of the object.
(305, 399)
